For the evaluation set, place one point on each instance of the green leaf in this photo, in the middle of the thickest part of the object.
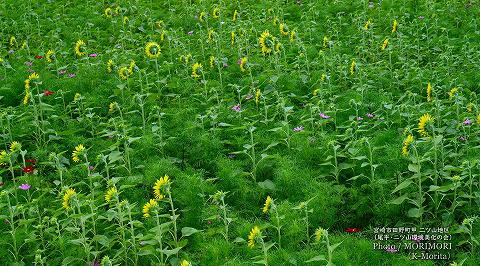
(317, 258)
(334, 246)
(187, 231)
(399, 200)
(415, 212)
(414, 168)
(267, 184)
(403, 185)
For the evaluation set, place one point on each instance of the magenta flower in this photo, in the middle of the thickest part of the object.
(359, 118)
(324, 116)
(370, 115)
(24, 187)
(467, 122)
(72, 75)
(236, 108)
(462, 138)
(62, 72)
(92, 55)
(298, 129)
(190, 32)
(95, 263)
(239, 61)
(29, 63)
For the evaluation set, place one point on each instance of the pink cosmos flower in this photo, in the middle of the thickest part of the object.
(298, 129)
(24, 187)
(236, 108)
(324, 116)
(467, 122)
(92, 55)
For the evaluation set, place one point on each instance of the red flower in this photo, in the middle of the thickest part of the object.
(352, 230)
(47, 92)
(32, 161)
(38, 57)
(28, 169)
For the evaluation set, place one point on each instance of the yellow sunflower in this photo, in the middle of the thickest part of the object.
(152, 50)
(79, 47)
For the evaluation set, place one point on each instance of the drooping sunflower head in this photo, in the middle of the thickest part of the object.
(78, 152)
(110, 66)
(33, 76)
(406, 143)
(293, 35)
(152, 50)
(268, 203)
(12, 41)
(108, 12)
(429, 92)
(69, 193)
(196, 69)
(15, 146)
(3, 157)
(367, 25)
(452, 93)
(147, 207)
(258, 93)
(325, 42)
(123, 73)
(216, 12)
(319, 233)
(202, 16)
(384, 44)
(252, 237)
(283, 29)
(160, 186)
(212, 61)
(50, 56)
(79, 48)
(235, 15)
(243, 64)
(210, 34)
(422, 124)
(185, 263)
(394, 26)
(232, 37)
(267, 42)
(131, 67)
(111, 192)
(112, 106)
(353, 67)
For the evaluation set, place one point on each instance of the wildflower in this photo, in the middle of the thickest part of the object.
(62, 71)
(467, 122)
(315, 92)
(79, 46)
(26, 98)
(77, 152)
(248, 97)
(108, 12)
(15, 146)
(210, 35)
(470, 107)
(406, 143)
(110, 66)
(28, 169)
(395, 25)
(319, 233)
(3, 157)
(456, 178)
(275, 20)
(422, 122)
(212, 61)
(202, 15)
(325, 42)
(359, 118)
(236, 108)
(216, 12)
(298, 129)
(50, 56)
(258, 93)
(478, 119)
(370, 115)
(47, 92)
(266, 41)
(24, 187)
(38, 57)
(146, 208)
(33, 76)
(324, 116)
(429, 92)
(352, 230)
(67, 197)
(352, 67)
(421, 17)
(283, 29)
(185, 263)
(29, 63)
(384, 44)
(162, 182)
(152, 50)
(123, 73)
(77, 97)
(243, 63)
(452, 92)
(232, 37)
(268, 202)
(162, 35)
(323, 77)
(367, 25)
(235, 14)
(106, 261)
(254, 234)
(93, 55)
(72, 75)
(462, 138)
(278, 45)
(111, 192)
(195, 69)
(125, 20)
(131, 67)
(190, 32)
(13, 41)
(112, 106)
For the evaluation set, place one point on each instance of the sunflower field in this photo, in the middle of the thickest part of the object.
(201, 132)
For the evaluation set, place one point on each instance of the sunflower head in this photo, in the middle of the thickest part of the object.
(147, 207)
(111, 193)
(216, 12)
(69, 193)
(196, 68)
(253, 235)
(79, 48)
(123, 73)
(50, 56)
(267, 42)
(152, 50)
(160, 186)
(423, 121)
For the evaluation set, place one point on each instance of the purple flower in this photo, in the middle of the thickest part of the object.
(231, 156)
(90, 167)
(359, 118)
(72, 75)
(92, 55)
(462, 138)
(62, 72)
(236, 108)
(421, 17)
(11, 51)
(324, 116)
(370, 115)
(467, 122)
(391, 249)
(95, 263)
(225, 64)
(190, 32)
(248, 97)
(29, 63)
(24, 187)
(298, 129)
(239, 61)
